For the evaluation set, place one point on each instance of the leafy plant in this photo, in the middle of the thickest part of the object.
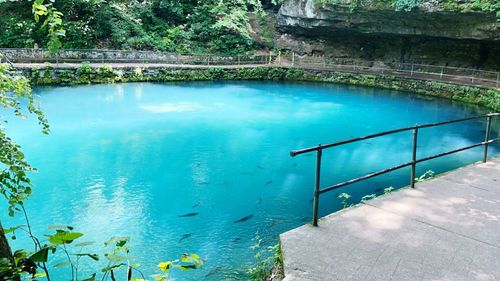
(85, 68)
(53, 20)
(405, 5)
(368, 197)
(388, 190)
(427, 175)
(345, 197)
(264, 259)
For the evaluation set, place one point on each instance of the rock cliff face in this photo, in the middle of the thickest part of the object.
(374, 30)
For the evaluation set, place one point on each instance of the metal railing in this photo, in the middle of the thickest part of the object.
(473, 76)
(448, 74)
(25, 55)
(319, 150)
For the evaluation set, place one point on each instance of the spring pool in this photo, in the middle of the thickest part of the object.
(132, 159)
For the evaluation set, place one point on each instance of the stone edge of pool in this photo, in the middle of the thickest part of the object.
(72, 75)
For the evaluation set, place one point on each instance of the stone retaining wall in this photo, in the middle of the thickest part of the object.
(87, 75)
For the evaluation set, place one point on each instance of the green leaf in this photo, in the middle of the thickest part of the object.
(113, 267)
(63, 237)
(59, 226)
(62, 264)
(185, 267)
(9, 230)
(116, 239)
(83, 244)
(93, 256)
(117, 258)
(40, 256)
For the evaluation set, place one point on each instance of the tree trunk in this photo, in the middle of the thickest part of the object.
(5, 251)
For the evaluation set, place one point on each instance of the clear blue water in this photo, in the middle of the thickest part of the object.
(129, 159)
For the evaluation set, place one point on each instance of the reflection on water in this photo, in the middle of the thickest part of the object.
(135, 159)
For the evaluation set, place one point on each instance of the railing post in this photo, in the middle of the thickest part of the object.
(316, 186)
(293, 58)
(487, 138)
(412, 69)
(441, 75)
(57, 58)
(414, 157)
(238, 59)
(473, 72)
(498, 76)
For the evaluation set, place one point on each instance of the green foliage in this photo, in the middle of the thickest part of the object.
(85, 68)
(345, 197)
(186, 262)
(427, 175)
(489, 6)
(53, 20)
(167, 25)
(405, 5)
(265, 258)
(388, 190)
(368, 197)
(117, 254)
(15, 185)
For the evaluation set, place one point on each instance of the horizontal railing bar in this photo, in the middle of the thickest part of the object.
(298, 59)
(402, 166)
(457, 150)
(455, 121)
(305, 150)
(364, 177)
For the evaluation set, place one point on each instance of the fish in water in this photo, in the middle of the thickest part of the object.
(235, 241)
(275, 222)
(260, 200)
(260, 167)
(222, 183)
(203, 183)
(312, 200)
(197, 164)
(244, 219)
(294, 165)
(185, 236)
(188, 215)
(309, 154)
(269, 182)
(304, 219)
(217, 269)
(378, 189)
(197, 204)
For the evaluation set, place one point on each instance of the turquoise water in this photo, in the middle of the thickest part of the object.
(130, 159)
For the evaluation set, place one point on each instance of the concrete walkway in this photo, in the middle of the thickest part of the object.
(447, 228)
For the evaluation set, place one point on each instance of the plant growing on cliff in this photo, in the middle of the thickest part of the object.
(405, 5)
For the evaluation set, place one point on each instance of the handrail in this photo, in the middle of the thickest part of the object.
(447, 74)
(319, 150)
